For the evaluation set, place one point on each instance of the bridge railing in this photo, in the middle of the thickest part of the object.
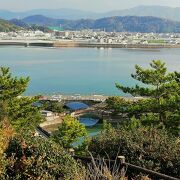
(124, 165)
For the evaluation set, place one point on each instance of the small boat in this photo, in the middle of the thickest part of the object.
(101, 48)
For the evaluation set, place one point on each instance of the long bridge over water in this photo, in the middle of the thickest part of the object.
(27, 43)
(73, 43)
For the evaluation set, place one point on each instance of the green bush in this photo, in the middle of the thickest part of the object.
(146, 147)
(69, 131)
(37, 158)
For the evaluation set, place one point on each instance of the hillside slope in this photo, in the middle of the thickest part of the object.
(27, 26)
(6, 26)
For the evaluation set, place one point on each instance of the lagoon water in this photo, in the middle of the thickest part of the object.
(81, 70)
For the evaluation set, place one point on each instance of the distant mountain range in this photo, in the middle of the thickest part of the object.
(156, 11)
(116, 23)
(52, 13)
(71, 14)
(144, 24)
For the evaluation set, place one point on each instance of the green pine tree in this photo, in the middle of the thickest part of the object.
(16, 110)
(161, 92)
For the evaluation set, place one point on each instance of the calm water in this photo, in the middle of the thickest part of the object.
(92, 131)
(80, 70)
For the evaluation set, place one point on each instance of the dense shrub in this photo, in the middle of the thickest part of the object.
(37, 158)
(146, 147)
(69, 131)
(6, 133)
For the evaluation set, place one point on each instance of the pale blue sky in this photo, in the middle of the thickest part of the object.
(91, 5)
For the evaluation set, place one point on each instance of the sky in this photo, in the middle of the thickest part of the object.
(87, 5)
